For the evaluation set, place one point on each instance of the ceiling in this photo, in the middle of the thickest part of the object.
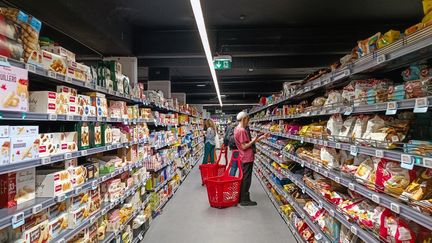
(270, 41)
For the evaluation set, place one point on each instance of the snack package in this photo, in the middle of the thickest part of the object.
(17, 187)
(420, 188)
(96, 134)
(83, 130)
(396, 92)
(49, 144)
(43, 102)
(388, 38)
(5, 148)
(360, 127)
(14, 89)
(366, 172)
(54, 62)
(58, 225)
(334, 97)
(394, 229)
(52, 183)
(24, 148)
(361, 91)
(411, 73)
(329, 157)
(418, 88)
(373, 126)
(334, 125)
(391, 178)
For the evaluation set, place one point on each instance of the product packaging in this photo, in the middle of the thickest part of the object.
(5, 148)
(14, 83)
(69, 142)
(17, 187)
(24, 148)
(54, 62)
(52, 183)
(43, 102)
(83, 130)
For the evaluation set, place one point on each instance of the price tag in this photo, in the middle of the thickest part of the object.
(92, 219)
(318, 236)
(375, 198)
(326, 81)
(407, 162)
(338, 145)
(320, 204)
(325, 143)
(381, 58)
(52, 117)
(84, 118)
(51, 74)
(104, 211)
(69, 117)
(353, 229)
(83, 152)
(332, 212)
(60, 198)
(391, 108)
(348, 111)
(140, 237)
(325, 173)
(427, 162)
(303, 215)
(68, 79)
(354, 150)
(421, 105)
(337, 179)
(62, 240)
(346, 72)
(99, 118)
(78, 190)
(306, 89)
(36, 209)
(31, 68)
(395, 208)
(67, 155)
(94, 185)
(45, 160)
(379, 153)
(351, 186)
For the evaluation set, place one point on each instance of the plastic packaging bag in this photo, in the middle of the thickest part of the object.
(373, 125)
(334, 125)
(360, 127)
(347, 128)
(329, 157)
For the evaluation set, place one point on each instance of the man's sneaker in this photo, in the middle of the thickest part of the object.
(248, 203)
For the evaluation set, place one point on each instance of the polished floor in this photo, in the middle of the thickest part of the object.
(187, 218)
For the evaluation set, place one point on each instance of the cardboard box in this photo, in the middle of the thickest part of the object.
(60, 51)
(58, 225)
(62, 109)
(83, 130)
(79, 200)
(73, 110)
(24, 148)
(58, 209)
(54, 62)
(51, 184)
(49, 144)
(79, 71)
(4, 131)
(95, 201)
(78, 175)
(23, 131)
(43, 102)
(69, 142)
(14, 83)
(17, 187)
(83, 100)
(87, 110)
(76, 217)
(67, 90)
(4, 151)
(38, 233)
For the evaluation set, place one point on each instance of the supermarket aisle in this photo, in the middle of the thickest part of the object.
(188, 218)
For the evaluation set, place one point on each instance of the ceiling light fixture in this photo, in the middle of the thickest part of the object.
(199, 19)
(201, 85)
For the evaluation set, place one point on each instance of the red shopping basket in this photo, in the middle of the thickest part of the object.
(212, 170)
(224, 191)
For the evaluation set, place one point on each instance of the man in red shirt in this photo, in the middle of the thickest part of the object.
(244, 144)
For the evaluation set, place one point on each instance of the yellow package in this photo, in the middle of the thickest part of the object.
(388, 38)
(414, 28)
(427, 6)
(427, 18)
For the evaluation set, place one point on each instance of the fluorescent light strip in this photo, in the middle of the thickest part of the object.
(199, 19)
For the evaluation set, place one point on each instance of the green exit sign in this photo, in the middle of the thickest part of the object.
(222, 62)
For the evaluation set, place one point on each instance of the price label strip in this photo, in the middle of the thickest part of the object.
(421, 105)
(391, 108)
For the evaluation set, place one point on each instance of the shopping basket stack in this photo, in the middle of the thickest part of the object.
(212, 170)
(224, 191)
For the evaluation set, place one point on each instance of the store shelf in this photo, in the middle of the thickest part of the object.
(27, 209)
(277, 206)
(412, 48)
(358, 149)
(161, 146)
(330, 208)
(61, 157)
(319, 235)
(104, 209)
(140, 236)
(351, 109)
(379, 198)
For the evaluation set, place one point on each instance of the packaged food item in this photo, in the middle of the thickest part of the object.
(329, 157)
(334, 125)
(51, 183)
(4, 130)
(113, 221)
(49, 144)
(43, 102)
(360, 127)
(77, 216)
(334, 98)
(38, 233)
(54, 62)
(79, 200)
(391, 178)
(96, 134)
(99, 101)
(60, 51)
(107, 138)
(14, 83)
(388, 38)
(69, 142)
(396, 92)
(348, 92)
(411, 73)
(5, 148)
(366, 172)
(24, 148)
(83, 129)
(318, 102)
(58, 209)
(23, 131)
(420, 188)
(418, 88)
(95, 201)
(78, 174)
(67, 90)
(394, 229)
(361, 91)
(373, 126)
(118, 109)
(58, 225)
(17, 187)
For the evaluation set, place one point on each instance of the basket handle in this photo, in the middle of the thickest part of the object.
(236, 158)
(223, 150)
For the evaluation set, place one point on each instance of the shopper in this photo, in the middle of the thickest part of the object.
(245, 145)
(210, 141)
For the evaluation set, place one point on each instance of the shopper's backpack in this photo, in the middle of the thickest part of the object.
(229, 138)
